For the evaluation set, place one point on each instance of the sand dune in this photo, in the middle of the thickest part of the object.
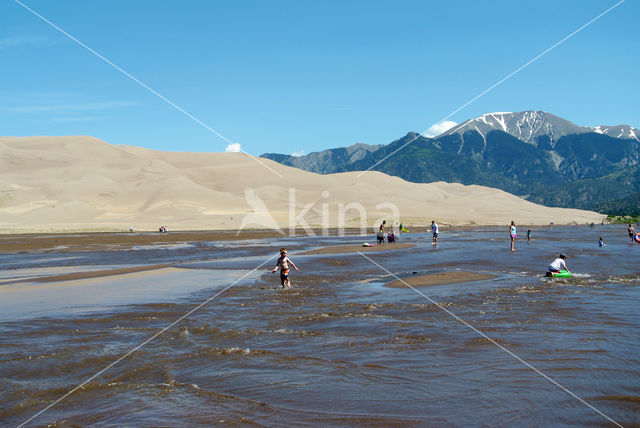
(83, 183)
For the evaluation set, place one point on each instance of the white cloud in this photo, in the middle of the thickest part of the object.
(298, 153)
(23, 40)
(69, 107)
(74, 119)
(233, 147)
(439, 128)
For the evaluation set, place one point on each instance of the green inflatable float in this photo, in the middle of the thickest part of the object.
(561, 274)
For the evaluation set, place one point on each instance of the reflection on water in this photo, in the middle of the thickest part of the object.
(338, 349)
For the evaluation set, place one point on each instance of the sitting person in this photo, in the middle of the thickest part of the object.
(391, 237)
(557, 265)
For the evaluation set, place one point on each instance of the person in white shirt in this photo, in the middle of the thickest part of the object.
(434, 230)
(558, 264)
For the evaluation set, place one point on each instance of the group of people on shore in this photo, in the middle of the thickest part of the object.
(391, 236)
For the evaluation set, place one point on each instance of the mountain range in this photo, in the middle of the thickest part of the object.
(537, 127)
(534, 154)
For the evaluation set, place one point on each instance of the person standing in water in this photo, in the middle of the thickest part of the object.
(529, 236)
(512, 232)
(434, 230)
(631, 231)
(283, 263)
(380, 234)
(601, 242)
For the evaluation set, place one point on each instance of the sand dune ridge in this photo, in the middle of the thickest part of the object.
(83, 183)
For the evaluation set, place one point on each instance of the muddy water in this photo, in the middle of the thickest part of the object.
(340, 349)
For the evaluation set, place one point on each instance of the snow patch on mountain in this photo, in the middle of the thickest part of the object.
(618, 131)
(530, 125)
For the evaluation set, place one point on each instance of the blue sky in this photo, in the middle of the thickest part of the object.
(292, 76)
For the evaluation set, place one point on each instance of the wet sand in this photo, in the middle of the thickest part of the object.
(439, 278)
(89, 274)
(119, 241)
(339, 249)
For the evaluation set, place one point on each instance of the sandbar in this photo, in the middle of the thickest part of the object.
(110, 241)
(439, 278)
(338, 249)
(95, 273)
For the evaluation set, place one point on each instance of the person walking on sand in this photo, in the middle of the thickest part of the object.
(557, 265)
(631, 231)
(283, 263)
(512, 232)
(434, 231)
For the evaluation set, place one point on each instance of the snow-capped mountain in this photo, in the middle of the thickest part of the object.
(529, 126)
(535, 154)
(618, 131)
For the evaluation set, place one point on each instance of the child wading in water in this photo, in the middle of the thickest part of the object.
(283, 263)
